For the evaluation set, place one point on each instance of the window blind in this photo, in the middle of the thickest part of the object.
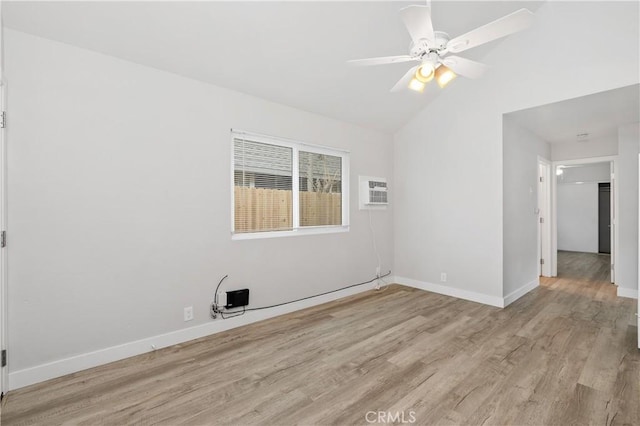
(263, 193)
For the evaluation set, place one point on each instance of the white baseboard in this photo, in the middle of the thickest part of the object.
(40, 373)
(517, 294)
(452, 291)
(627, 292)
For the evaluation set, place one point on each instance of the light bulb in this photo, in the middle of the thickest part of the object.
(444, 75)
(424, 73)
(416, 85)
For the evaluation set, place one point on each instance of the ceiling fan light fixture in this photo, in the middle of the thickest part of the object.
(430, 48)
(425, 72)
(444, 75)
(416, 85)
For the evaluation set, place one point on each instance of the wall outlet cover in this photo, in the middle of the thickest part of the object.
(188, 313)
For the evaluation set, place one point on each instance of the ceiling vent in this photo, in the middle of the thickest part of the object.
(582, 137)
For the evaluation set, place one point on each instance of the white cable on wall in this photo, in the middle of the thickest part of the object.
(373, 238)
(375, 249)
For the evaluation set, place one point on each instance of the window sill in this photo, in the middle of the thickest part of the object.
(294, 233)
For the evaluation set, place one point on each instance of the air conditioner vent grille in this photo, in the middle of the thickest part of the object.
(374, 193)
(377, 197)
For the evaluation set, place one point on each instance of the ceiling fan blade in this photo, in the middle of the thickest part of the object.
(403, 83)
(418, 22)
(381, 61)
(509, 24)
(464, 67)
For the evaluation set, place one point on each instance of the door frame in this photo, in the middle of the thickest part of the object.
(544, 213)
(4, 371)
(613, 160)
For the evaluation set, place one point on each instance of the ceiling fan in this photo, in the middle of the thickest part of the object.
(430, 48)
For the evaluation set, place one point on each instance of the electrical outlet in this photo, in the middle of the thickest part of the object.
(188, 313)
(443, 277)
(377, 271)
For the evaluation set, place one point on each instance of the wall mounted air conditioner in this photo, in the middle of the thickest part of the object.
(374, 193)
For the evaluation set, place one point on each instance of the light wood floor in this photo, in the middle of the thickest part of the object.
(564, 354)
(586, 267)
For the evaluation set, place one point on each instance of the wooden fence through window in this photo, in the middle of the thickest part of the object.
(261, 209)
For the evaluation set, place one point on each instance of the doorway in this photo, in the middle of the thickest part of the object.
(584, 217)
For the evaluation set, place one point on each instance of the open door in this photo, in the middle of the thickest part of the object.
(544, 215)
(614, 225)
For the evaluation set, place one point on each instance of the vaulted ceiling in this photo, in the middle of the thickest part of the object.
(292, 53)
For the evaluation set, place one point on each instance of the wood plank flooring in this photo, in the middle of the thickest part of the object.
(584, 266)
(564, 354)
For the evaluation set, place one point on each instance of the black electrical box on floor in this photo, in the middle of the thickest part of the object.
(237, 298)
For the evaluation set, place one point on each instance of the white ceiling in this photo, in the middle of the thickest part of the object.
(293, 53)
(599, 115)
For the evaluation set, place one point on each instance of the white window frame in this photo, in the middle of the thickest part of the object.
(295, 185)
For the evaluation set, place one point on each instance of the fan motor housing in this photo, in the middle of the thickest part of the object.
(424, 46)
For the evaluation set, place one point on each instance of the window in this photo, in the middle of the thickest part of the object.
(281, 187)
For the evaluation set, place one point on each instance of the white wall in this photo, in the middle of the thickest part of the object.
(596, 172)
(601, 147)
(627, 175)
(448, 158)
(577, 207)
(578, 217)
(521, 150)
(119, 214)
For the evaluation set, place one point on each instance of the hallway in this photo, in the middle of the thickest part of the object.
(586, 267)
